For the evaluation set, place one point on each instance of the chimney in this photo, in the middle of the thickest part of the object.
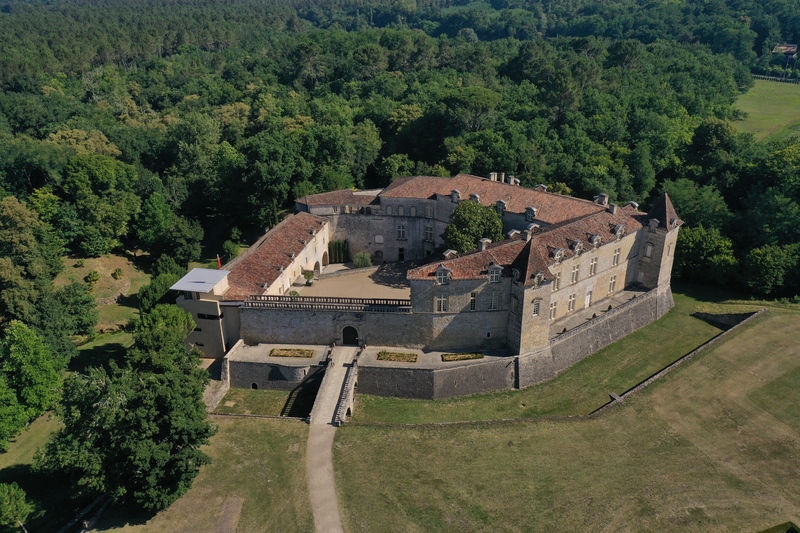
(513, 181)
(483, 243)
(502, 177)
(612, 208)
(528, 234)
(512, 233)
(449, 253)
(542, 187)
(601, 199)
(633, 205)
(493, 176)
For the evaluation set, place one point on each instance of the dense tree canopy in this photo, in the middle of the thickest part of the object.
(471, 222)
(136, 430)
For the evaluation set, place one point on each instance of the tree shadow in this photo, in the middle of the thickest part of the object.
(131, 300)
(98, 356)
(391, 275)
(122, 514)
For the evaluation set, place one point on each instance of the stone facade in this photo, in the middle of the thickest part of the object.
(563, 254)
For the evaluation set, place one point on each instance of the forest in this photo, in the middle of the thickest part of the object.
(147, 125)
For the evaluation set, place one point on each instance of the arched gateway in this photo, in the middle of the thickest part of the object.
(350, 336)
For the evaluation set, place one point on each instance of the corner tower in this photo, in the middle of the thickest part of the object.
(657, 250)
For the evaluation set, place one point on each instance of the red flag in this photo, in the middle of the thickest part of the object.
(219, 263)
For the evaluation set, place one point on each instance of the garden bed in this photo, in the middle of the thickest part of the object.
(398, 357)
(291, 352)
(446, 357)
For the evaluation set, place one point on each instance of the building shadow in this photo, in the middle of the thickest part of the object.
(391, 275)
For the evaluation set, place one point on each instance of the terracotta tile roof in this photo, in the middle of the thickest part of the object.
(261, 264)
(343, 197)
(664, 212)
(474, 265)
(418, 187)
(538, 254)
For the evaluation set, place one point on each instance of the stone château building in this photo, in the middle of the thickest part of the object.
(561, 255)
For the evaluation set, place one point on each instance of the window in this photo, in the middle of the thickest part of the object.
(557, 282)
(494, 275)
(575, 274)
(615, 260)
(388, 210)
(378, 239)
(428, 233)
(571, 303)
(669, 251)
(187, 295)
(412, 212)
(336, 210)
(612, 284)
(558, 255)
(493, 301)
(530, 214)
(553, 310)
(513, 304)
(537, 306)
(473, 298)
(593, 266)
(400, 211)
(442, 304)
(648, 250)
(428, 211)
(442, 276)
(401, 232)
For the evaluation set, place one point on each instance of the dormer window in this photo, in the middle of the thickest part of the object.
(558, 255)
(455, 196)
(501, 207)
(442, 275)
(494, 273)
(595, 241)
(619, 231)
(530, 214)
(475, 198)
(578, 247)
(515, 272)
(538, 278)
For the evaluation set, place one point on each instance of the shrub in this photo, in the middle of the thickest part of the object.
(92, 277)
(399, 357)
(117, 274)
(461, 356)
(362, 260)
(80, 263)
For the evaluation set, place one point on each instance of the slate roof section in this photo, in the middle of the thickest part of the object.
(664, 212)
(256, 269)
(343, 197)
(538, 254)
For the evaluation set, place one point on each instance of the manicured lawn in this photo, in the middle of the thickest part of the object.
(580, 389)
(256, 482)
(773, 110)
(714, 446)
(256, 402)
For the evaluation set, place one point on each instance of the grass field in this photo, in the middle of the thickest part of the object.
(255, 402)
(579, 390)
(773, 110)
(714, 446)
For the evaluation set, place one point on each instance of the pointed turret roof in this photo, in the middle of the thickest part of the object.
(664, 212)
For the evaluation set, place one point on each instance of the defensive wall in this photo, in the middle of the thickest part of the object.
(520, 371)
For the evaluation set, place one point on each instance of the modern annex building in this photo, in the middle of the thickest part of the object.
(561, 256)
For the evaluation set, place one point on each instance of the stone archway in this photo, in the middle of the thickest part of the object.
(317, 269)
(350, 336)
(324, 258)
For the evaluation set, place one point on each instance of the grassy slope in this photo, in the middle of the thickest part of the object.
(256, 402)
(713, 446)
(581, 389)
(112, 316)
(773, 108)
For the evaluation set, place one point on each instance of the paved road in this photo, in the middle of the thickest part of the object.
(319, 462)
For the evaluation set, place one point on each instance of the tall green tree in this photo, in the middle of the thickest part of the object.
(136, 431)
(14, 506)
(471, 222)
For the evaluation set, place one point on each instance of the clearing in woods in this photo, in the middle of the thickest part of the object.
(773, 110)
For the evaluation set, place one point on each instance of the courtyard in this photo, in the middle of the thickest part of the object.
(345, 281)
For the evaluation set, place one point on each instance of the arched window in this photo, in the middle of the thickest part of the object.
(412, 212)
(388, 210)
(400, 211)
